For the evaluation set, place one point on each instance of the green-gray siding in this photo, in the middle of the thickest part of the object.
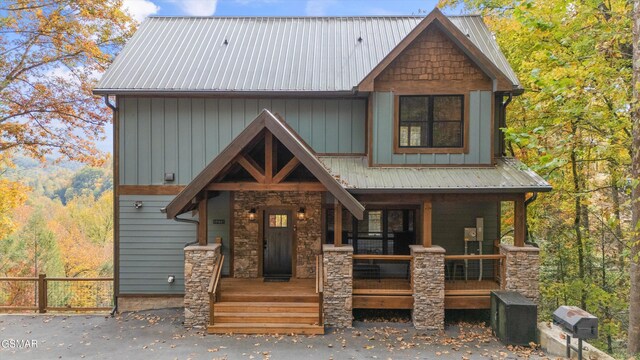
(479, 134)
(182, 135)
(151, 246)
(218, 212)
(450, 218)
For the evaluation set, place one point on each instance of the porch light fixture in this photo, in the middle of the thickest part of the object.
(301, 213)
(252, 214)
(171, 279)
(137, 204)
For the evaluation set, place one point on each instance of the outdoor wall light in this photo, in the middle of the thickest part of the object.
(301, 213)
(171, 279)
(252, 214)
(168, 177)
(137, 204)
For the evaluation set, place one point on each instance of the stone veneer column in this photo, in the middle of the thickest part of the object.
(428, 287)
(199, 264)
(338, 285)
(522, 270)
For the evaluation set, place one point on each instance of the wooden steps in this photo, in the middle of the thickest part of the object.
(231, 328)
(253, 298)
(255, 307)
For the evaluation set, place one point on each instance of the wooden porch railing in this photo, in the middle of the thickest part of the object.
(320, 286)
(382, 275)
(474, 274)
(44, 294)
(214, 289)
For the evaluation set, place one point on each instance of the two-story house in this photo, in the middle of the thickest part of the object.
(274, 173)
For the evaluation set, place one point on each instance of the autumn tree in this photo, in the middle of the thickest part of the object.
(13, 195)
(634, 303)
(572, 125)
(51, 53)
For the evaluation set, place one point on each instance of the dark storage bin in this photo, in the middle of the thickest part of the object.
(514, 318)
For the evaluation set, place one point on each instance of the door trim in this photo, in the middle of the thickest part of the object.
(294, 236)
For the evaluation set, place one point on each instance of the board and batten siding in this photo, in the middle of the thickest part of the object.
(182, 135)
(450, 218)
(151, 246)
(218, 212)
(479, 134)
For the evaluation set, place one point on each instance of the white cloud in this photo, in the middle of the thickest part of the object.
(197, 7)
(318, 7)
(140, 9)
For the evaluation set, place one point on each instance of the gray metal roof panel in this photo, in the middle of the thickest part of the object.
(274, 54)
(509, 175)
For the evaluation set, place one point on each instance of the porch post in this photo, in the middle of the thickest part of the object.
(427, 282)
(519, 221)
(522, 270)
(426, 223)
(337, 303)
(202, 221)
(199, 267)
(337, 224)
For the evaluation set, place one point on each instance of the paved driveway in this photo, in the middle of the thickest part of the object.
(160, 335)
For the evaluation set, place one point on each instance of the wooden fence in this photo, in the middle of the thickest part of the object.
(42, 294)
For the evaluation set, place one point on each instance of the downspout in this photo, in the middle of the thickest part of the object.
(116, 238)
(503, 122)
(188, 221)
(528, 240)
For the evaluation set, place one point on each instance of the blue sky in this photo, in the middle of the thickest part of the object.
(143, 8)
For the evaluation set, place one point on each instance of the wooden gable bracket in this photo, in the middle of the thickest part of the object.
(252, 168)
(437, 18)
(286, 170)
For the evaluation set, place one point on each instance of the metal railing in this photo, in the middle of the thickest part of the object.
(44, 294)
(474, 274)
(214, 289)
(382, 275)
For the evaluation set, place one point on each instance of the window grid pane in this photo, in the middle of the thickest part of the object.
(278, 220)
(431, 121)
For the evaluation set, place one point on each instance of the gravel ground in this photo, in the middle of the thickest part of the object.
(160, 335)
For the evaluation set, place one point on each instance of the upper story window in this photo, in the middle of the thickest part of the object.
(431, 121)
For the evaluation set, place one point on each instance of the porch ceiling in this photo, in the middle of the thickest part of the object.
(508, 175)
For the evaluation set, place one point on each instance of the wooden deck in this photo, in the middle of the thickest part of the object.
(252, 306)
(469, 294)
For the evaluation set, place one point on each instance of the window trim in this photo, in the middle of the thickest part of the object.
(397, 149)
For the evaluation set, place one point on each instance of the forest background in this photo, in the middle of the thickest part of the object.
(573, 125)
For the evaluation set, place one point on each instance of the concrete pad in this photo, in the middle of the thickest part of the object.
(159, 334)
(553, 340)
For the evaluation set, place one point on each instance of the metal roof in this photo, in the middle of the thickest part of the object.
(509, 175)
(268, 54)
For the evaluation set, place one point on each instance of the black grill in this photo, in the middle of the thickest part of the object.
(576, 323)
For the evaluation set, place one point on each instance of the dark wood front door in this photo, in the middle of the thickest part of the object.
(278, 236)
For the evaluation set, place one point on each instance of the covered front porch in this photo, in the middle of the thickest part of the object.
(473, 263)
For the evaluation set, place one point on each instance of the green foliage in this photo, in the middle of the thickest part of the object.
(572, 125)
(89, 181)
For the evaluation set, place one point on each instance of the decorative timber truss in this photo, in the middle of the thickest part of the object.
(266, 156)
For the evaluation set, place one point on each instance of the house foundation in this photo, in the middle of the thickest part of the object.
(338, 285)
(428, 287)
(522, 270)
(199, 265)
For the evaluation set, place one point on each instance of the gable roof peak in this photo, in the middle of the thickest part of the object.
(287, 137)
